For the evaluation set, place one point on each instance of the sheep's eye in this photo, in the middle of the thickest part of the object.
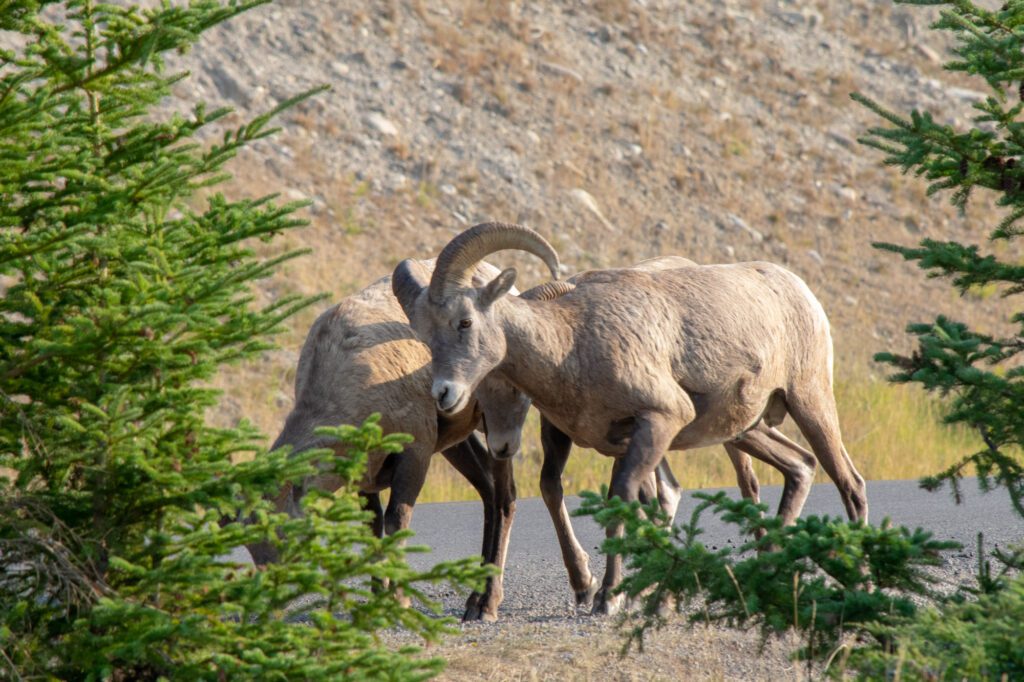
(465, 324)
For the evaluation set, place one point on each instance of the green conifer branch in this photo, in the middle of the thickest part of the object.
(123, 300)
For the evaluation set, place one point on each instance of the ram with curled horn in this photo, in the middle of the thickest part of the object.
(633, 363)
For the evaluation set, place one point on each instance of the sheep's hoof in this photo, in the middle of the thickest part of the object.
(607, 604)
(666, 605)
(403, 600)
(476, 609)
(585, 597)
(472, 611)
(664, 608)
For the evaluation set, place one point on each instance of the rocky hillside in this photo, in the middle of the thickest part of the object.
(621, 129)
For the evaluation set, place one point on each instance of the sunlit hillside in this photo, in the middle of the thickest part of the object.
(621, 130)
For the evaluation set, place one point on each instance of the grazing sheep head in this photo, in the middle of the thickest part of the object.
(457, 318)
(504, 410)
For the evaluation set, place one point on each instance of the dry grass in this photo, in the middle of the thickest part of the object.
(589, 649)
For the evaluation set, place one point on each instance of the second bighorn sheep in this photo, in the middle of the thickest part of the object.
(361, 357)
(633, 363)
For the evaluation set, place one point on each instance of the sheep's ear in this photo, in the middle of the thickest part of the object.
(498, 287)
(408, 282)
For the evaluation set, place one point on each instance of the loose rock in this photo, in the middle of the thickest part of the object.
(381, 124)
(588, 202)
(740, 223)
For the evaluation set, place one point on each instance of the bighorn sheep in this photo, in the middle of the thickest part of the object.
(763, 442)
(633, 363)
(361, 357)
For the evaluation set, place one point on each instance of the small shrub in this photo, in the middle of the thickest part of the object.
(827, 578)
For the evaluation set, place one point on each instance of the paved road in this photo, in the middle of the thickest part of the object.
(536, 587)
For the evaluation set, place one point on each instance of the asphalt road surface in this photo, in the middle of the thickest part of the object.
(537, 589)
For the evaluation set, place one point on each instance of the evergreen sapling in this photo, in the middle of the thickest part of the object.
(124, 293)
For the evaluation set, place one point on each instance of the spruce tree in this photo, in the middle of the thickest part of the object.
(123, 294)
(981, 373)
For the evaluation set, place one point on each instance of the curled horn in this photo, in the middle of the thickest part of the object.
(455, 265)
(548, 291)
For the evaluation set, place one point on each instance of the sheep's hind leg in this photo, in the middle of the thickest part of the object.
(663, 487)
(814, 411)
(556, 447)
(651, 436)
(796, 464)
(371, 502)
(746, 479)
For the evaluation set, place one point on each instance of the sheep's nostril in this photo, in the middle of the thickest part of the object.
(449, 395)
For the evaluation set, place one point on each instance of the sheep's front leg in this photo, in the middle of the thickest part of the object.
(505, 511)
(466, 461)
(493, 480)
(406, 484)
(650, 438)
(557, 447)
(286, 501)
(371, 502)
